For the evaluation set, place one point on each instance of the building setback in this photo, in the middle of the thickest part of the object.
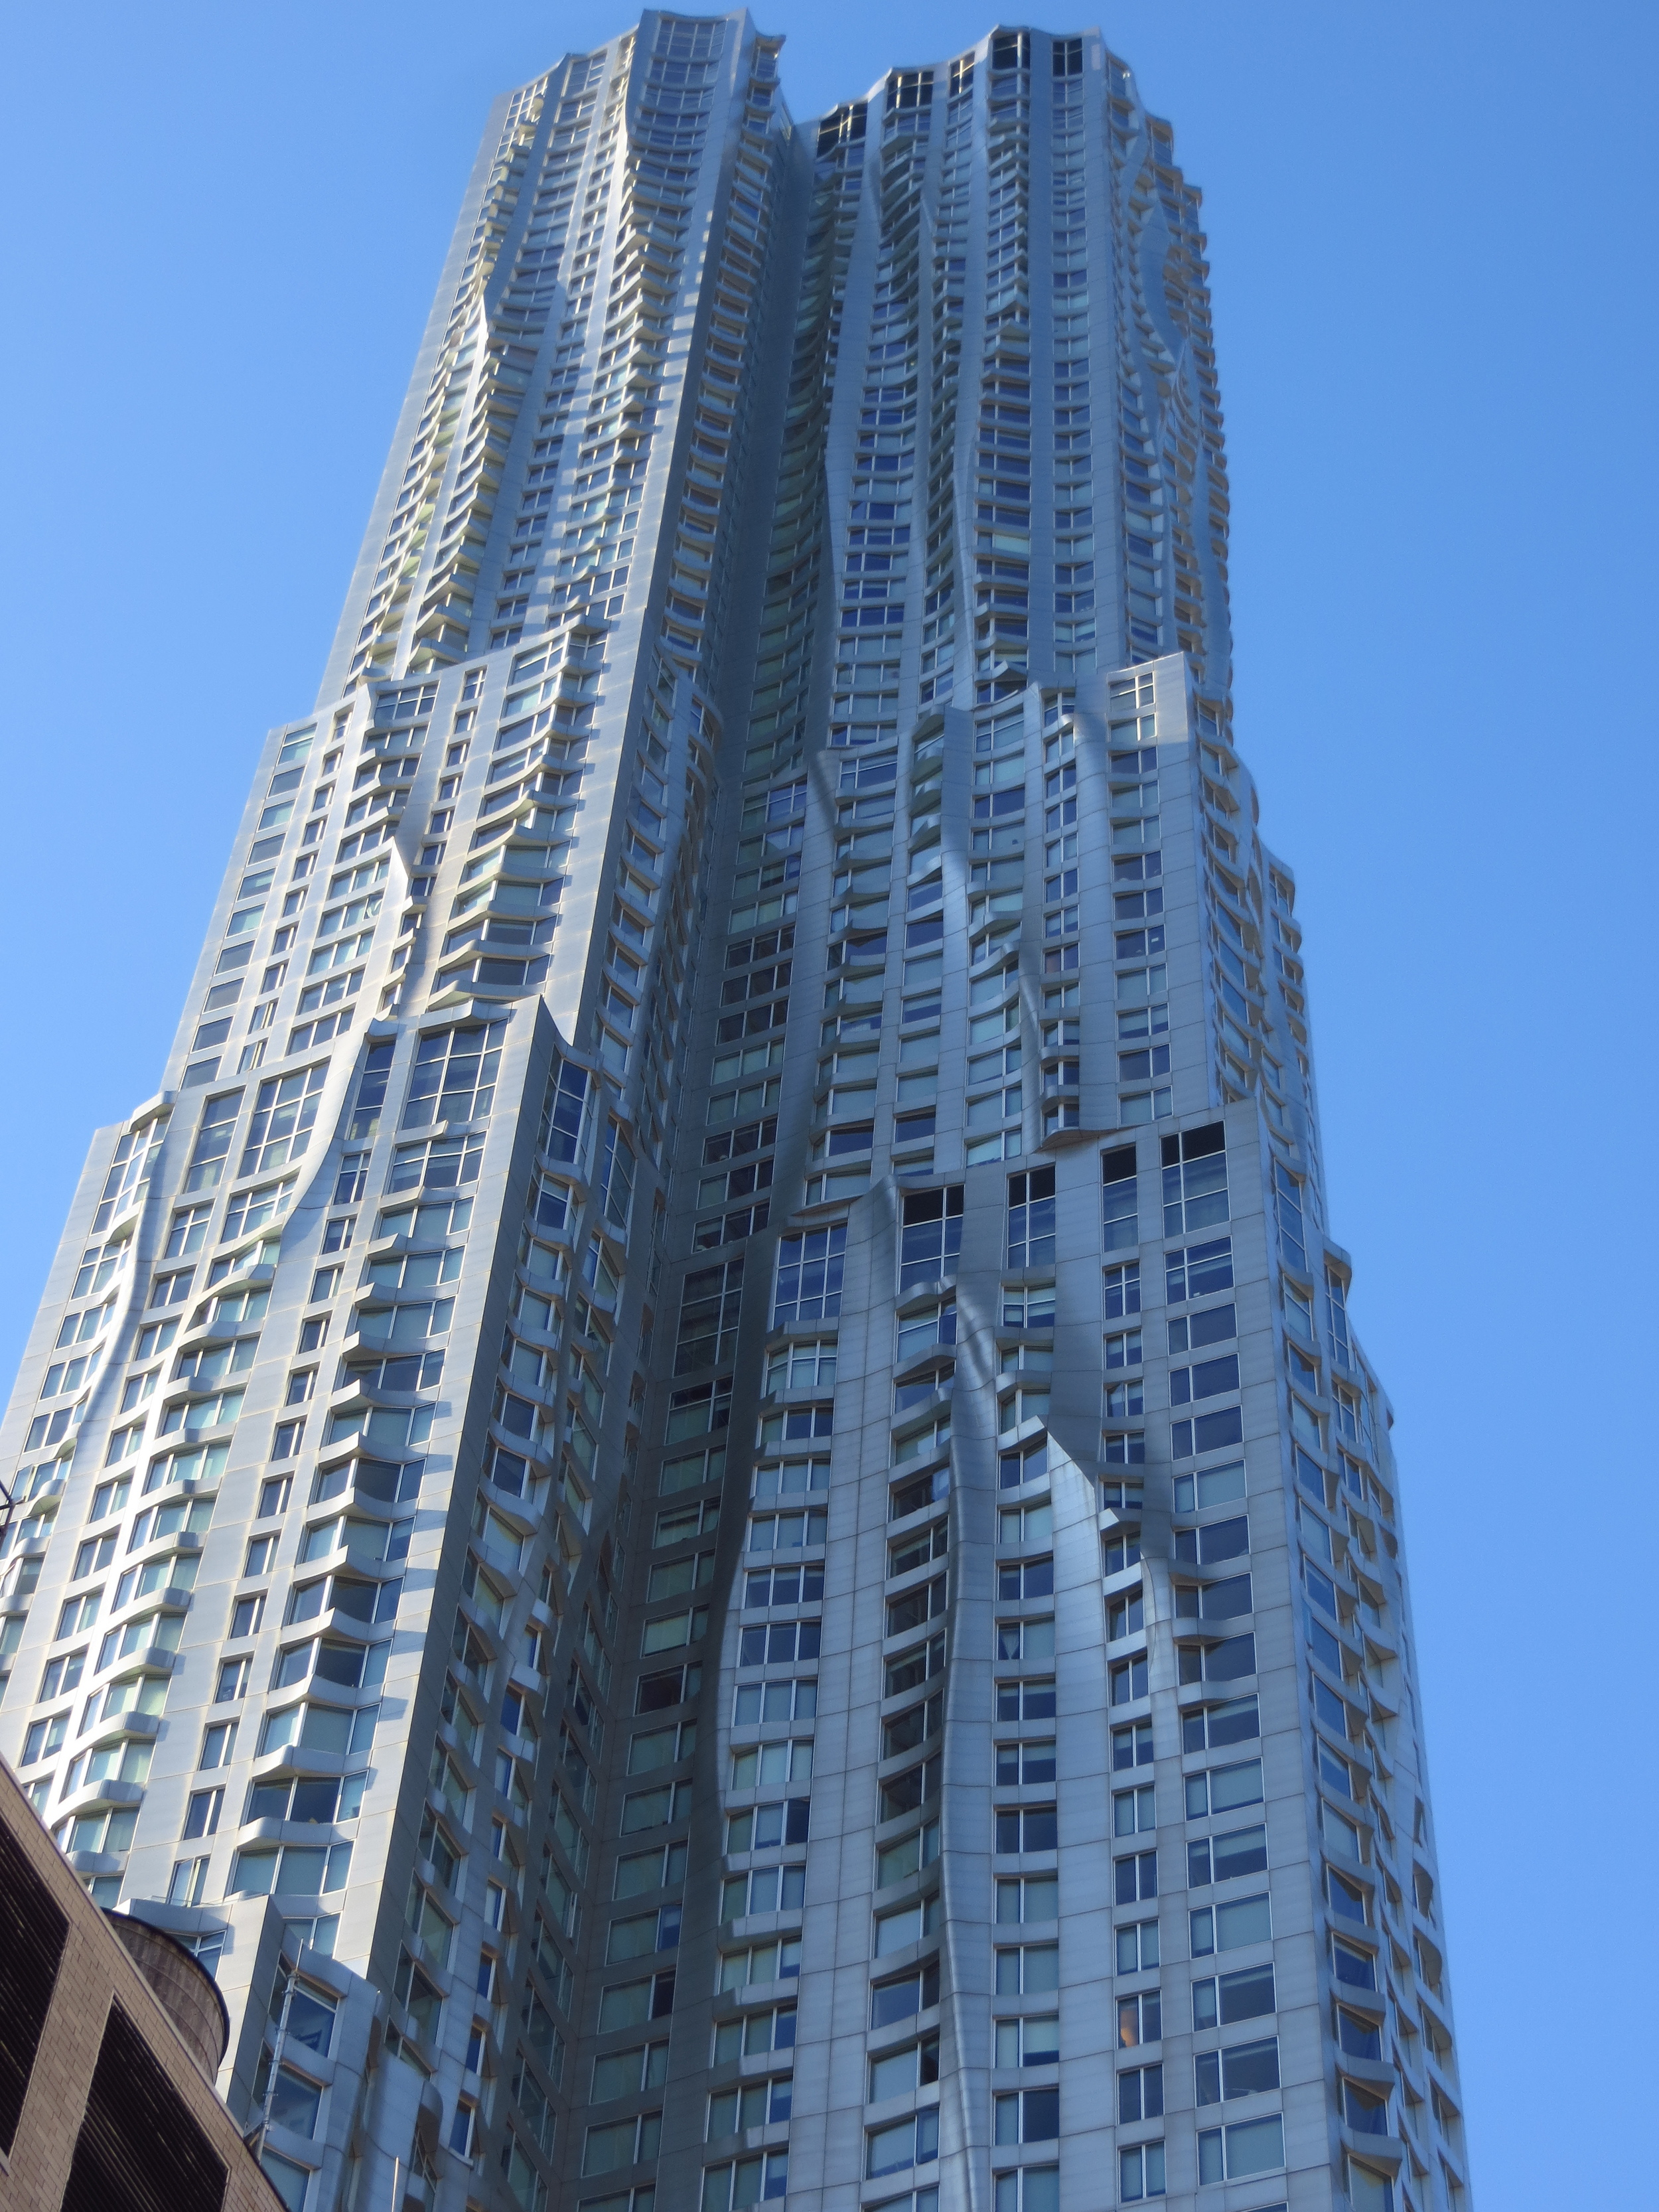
(697, 1496)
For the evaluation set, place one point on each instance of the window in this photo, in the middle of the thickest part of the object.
(913, 1668)
(43, 1738)
(910, 2142)
(1138, 1948)
(1031, 1218)
(1227, 1660)
(1139, 2020)
(1287, 1202)
(1020, 1580)
(78, 1612)
(784, 1586)
(1359, 2037)
(930, 1237)
(1119, 1553)
(218, 1741)
(799, 1423)
(1028, 1827)
(1234, 2154)
(1220, 1788)
(213, 1141)
(809, 1281)
(746, 2181)
(1025, 2116)
(1224, 1927)
(1192, 1332)
(1033, 2041)
(1121, 1226)
(1134, 1877)
(781, 1645)
(249, 1209)
(1030, 1970)
(1224, 2000)
(1034, 2188)
(439, 1163)
(1210, 1727)
(1206, 1432)
(1021, 1765)
(789, 1477)
(1025, 1640)
(1127, 1615)
(1032, 1308)
(625, 2072)
(1224, 1600)
(899, 2073)
(628, 2004)
(918, 1549)
(403, 1371)
(756, 2105)
(1124, 1350)
(1352, 1966)
(1132, 1746)
(810, 1366)
(1225, 1857)
(1211, 1485)
(1208, 1378)
(1346, 1897)
(918, 1333)
(1026, 1524)
(1028, 1897)
(453, 1077)
(766, 1889)
(1141, 2173)
(1134, 1811)
(96, 1552)
(1139, 2094)
(765, 1764)
(188, 1232)
(1242, 2070)
(201, 1813)
(622, 2143)
(753, 2034)
(1198, 1270)
(709, 1302)
(642, 1935)
(1195, 1180)
(1028, 1464)
(905, 1995)
(282, 1118)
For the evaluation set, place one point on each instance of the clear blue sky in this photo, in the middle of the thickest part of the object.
(1433, 237)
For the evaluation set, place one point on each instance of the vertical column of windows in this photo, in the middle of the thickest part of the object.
(1381, 1935)
(1139, 2088)
(435, 630)
(847, 1071)
(1074, 631)
(902, 2119)
(995, 913)
(785, 660)
(941, 603)
(1002, 554)
(1140, 970)
(766, 1789)
(1062, 1023)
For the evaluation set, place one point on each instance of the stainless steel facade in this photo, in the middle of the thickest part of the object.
(697, 1494)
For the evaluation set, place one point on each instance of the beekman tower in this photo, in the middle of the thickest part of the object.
(696, 1493)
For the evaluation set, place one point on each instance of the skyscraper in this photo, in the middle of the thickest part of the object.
(697, 1494)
